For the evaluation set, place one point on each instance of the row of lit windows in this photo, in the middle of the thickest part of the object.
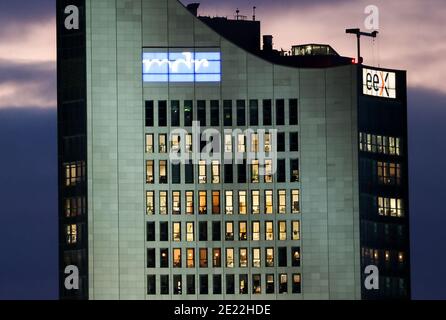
(234, 202)
(212, 108)
(230, 233)
(389, 173)
(390, 207)
(75, 173)
(242, 144)
(384, 255)
(379, 144)
(75, 206)
(229, 260)
(215, 172)
(243, 286)
(72, 233)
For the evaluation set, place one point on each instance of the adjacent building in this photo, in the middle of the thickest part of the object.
(319, 192)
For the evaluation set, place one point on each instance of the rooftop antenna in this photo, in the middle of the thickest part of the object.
(359, 33)
(254, 13)
(237, 13)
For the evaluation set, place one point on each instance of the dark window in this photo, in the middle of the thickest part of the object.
(241, 113)
(243, 283)
(164, 231)
(267, 113)
(216, 231)
(294, 141)
(216, 283)
(230, 288)
(177, 284)
(190, 279)
(164, 284)
(188, 113)
(204, 285)
(280, 112)
(282, 257)
(215, 113)
(227, 113)
(229, 173)
(175, 113)
(293, 112)
(203, 231)
(295, 256)
(201, 112)
(176, 173)
(281, 171)
(150, 231)
(164, 258)
(281, 142)
(256, 284)
(294, 170)
(241, 172)
(253, 112)
(189, 173)
(151, 284)
(162, 113)
(149, 113)
(151, 258)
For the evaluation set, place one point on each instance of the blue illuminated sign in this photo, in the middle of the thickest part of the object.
(181, 66)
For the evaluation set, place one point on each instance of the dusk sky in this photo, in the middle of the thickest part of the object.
(412, 34)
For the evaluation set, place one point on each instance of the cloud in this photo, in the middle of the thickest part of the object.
(15, 14)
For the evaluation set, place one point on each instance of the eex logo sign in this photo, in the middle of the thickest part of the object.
(72, 20)
(379, 83)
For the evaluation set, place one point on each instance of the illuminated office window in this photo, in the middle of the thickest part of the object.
(243, 230)
(296, 283)
(256, 231)
(295, 204)
(254, 142)
(400, 257)
(74, 207)
(177, 258)
(176, 202)
(255, 201)
(268, 142)
(390, 207)
(229, 202)
(190, 232)
(74, 173)
(216, 257)
(190, 261)
(394, 146)
(243, 257)
(163, 171)
(150, 172)
(228, 143)
(269, 230)
(268, 171)
(281, 207)
(203, 257)
(202, 178)
(268, 202)
(189, 202)
(229, 233)
(150, 202)
(283, 283)
(164, 258)
(215, 202)
(255, 171)
(256, 284)
(269, 262)
(295, 230)
(282, 230)
(72, 233)
(162, 143)
(243, 284)
(241, 143)
(256, 258)
(175, 144)
(269, 283)
(176, 232)
(149, 143)
(229, 257)
(163, 202)
(242, 206)
(215, 172)
(295, 257)
(189, 142)
(389, 173)
(203, 207)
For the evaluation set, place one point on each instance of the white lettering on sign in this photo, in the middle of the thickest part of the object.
(379, 83)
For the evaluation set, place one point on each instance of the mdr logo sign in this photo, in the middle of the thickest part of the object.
(379, 83)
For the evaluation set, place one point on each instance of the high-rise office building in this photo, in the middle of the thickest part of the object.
(318, 192)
